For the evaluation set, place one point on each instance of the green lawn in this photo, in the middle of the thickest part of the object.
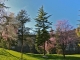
(13, 55)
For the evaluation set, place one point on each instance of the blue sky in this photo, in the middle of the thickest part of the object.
(59, 9)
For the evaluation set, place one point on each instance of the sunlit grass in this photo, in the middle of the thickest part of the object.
(18, 54)
(56, 57)
(4, 55)
(13, 55)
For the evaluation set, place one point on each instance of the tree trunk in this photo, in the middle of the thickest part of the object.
(9, 44)
(44, 49)
(22, 43)
(63, 49)
(21, 52)
(30, 49)
(43, 38)
(63, 53)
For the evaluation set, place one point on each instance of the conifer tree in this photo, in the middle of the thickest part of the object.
(23, 18)
(42, 24)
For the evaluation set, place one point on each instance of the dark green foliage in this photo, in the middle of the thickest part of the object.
(42, 19)
(3, 43)
(40, 39)
(38, 36)
(42, 24)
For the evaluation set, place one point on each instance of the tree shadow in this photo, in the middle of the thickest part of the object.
(7, 54)
(53, 57)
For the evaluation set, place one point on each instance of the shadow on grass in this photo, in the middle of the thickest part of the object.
(7, 54)
(53, 57)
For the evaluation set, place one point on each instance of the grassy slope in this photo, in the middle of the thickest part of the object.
(6, 56)
(17, 54)
(12, 55)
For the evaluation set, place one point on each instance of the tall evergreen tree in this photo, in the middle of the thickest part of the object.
(23, 18)
(42, 24)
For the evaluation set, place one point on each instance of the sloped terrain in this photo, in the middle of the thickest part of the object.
(13, 55)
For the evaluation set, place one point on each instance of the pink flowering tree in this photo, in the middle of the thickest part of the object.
(9, 31)
(8, 24)
(63, 35)
(50, 44)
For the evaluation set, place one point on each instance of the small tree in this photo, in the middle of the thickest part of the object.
(43, 25)
(63, 35)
